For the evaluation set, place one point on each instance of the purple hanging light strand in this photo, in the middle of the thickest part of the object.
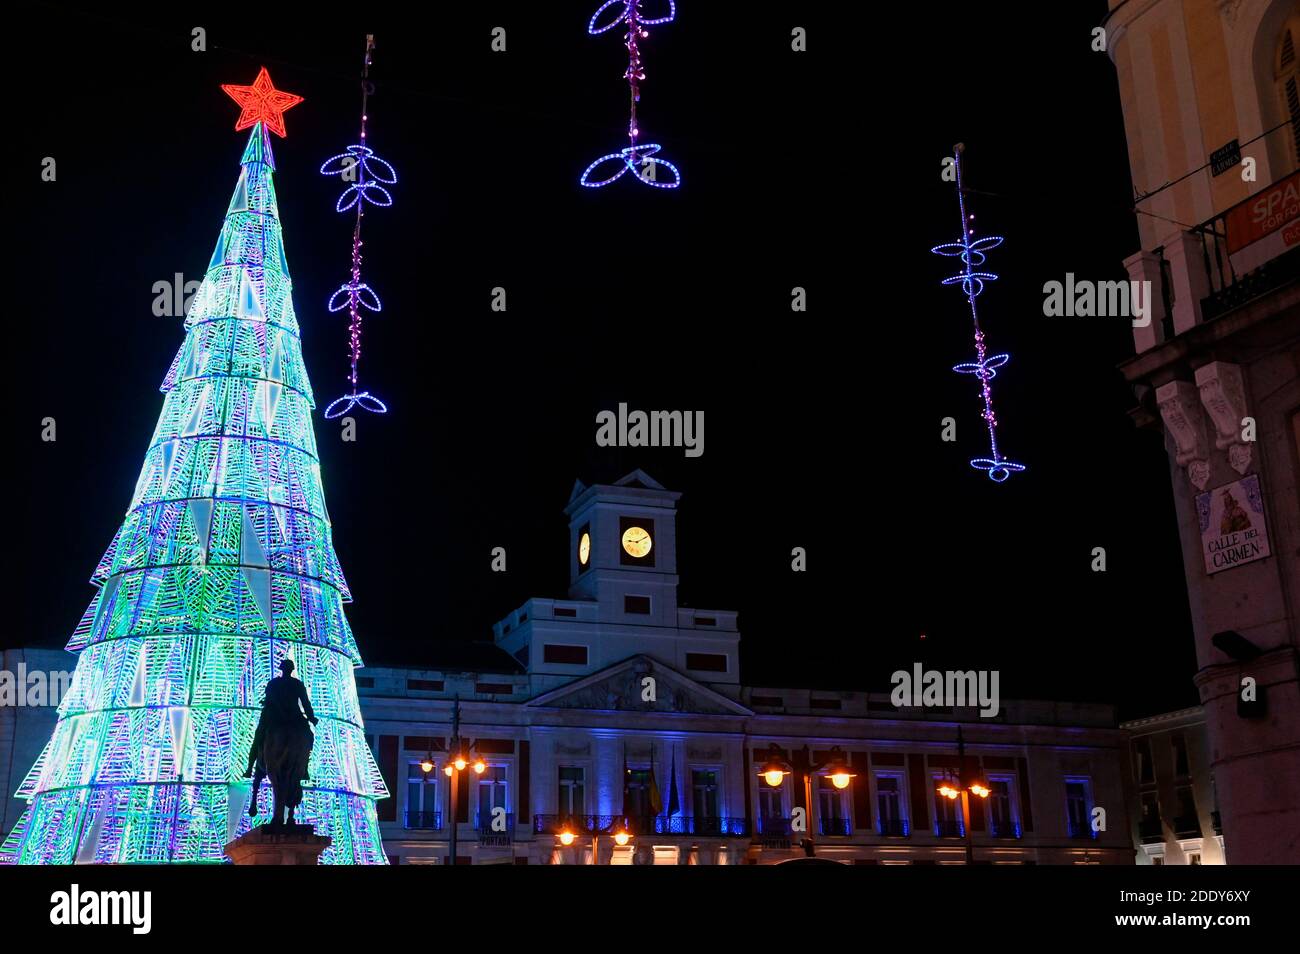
(354, 313)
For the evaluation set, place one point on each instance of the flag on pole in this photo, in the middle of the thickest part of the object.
(674, 806)
(656, 800)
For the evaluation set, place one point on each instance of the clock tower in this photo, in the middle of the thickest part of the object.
(623, 549)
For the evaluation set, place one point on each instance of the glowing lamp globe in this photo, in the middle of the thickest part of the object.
(426, 766)
(479, 766)
(773, 777)
(948, 790)
(841, 779)
(460, 763)
(566, 838)
(621, 838)
(448, 769)
(979, 789)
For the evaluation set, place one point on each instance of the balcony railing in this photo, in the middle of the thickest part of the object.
(1004, 828)
(424, 821)
(834, 826)
(1187, 826)
(893, 827)
(949, 828)
(1217, 822)
(774, 826)
(643, 825)
(1080, 828)
(487, 835)
(1228, 234)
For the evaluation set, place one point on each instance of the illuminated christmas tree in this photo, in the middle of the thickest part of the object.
(223, 566)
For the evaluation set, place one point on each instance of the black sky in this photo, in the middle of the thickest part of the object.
(819, 169)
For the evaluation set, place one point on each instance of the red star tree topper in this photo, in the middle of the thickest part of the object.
(261, 103)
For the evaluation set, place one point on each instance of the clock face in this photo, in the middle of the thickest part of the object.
(584, 549)
(636, 542)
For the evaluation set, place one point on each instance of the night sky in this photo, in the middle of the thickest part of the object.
(817, 169)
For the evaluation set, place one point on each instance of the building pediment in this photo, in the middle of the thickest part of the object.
(640, 684)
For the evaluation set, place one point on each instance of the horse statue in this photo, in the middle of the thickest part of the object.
(281, 747)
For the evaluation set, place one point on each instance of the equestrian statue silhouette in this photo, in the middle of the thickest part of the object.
(281, 747)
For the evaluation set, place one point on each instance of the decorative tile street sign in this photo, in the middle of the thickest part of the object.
(1233, 531)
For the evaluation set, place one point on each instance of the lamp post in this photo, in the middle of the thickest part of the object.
(835, 767)
(458, 758)
(963, 786)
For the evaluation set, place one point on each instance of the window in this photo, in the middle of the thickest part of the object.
(1286, 77)
(1179, 743)
(565, 611)
(637, 604)
(1194, 858)
(491, 793)
(823, 703)
(833, 809)
(638, 793)
(494, 688)
(573, 800)
(425, 685)
(1142, 759)
(1002, 821)
(1078, 809)
(706, 662)
(704, 793)
(421, 797)
(889, 805)
(771, 809)
(705, 621)
(567, 655)
(947, 813)
(1157, 859)
(775, 702)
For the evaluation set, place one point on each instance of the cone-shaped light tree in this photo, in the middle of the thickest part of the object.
(224, 565)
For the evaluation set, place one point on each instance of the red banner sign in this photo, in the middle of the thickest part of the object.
(1263, 213)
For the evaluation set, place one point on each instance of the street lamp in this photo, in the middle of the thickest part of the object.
(458, 760)
(835, 767)
(966, 784)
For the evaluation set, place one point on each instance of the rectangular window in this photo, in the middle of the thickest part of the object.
(706, 662)
(637, 604)
(1179, 743)
(491, 794)
(889, 805)
(704, 793)
(771, 809)
(494, 688)
(421, 797)
(1078, 809)
(365, 682)
(705, 621)
(425, 685)
(824, 703)
(638, 797)
(1142, 756)
(566, 655)
(832, 805)
(773, 701)
(565, 611)
(947, 813)
(1001, 813)
(573, 800)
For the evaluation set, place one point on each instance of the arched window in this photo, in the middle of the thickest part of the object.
(1286, 76)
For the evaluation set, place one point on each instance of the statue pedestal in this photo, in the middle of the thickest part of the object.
(299, 845)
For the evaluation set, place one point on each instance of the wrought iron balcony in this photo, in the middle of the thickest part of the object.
(423, 821)
(643, 825)
(834, 826)
(1187, 826)
(893, 827)
(1004, 828)
(487, 835)
(949, 828)
(774, 826)
(1080, 828)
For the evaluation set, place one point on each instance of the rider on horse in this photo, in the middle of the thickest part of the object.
(280, 711)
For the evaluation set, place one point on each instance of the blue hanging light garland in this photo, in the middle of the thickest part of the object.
(985, 367)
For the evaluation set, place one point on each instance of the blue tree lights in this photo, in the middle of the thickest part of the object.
(368, 174)
(638, 157)
(985, 367)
